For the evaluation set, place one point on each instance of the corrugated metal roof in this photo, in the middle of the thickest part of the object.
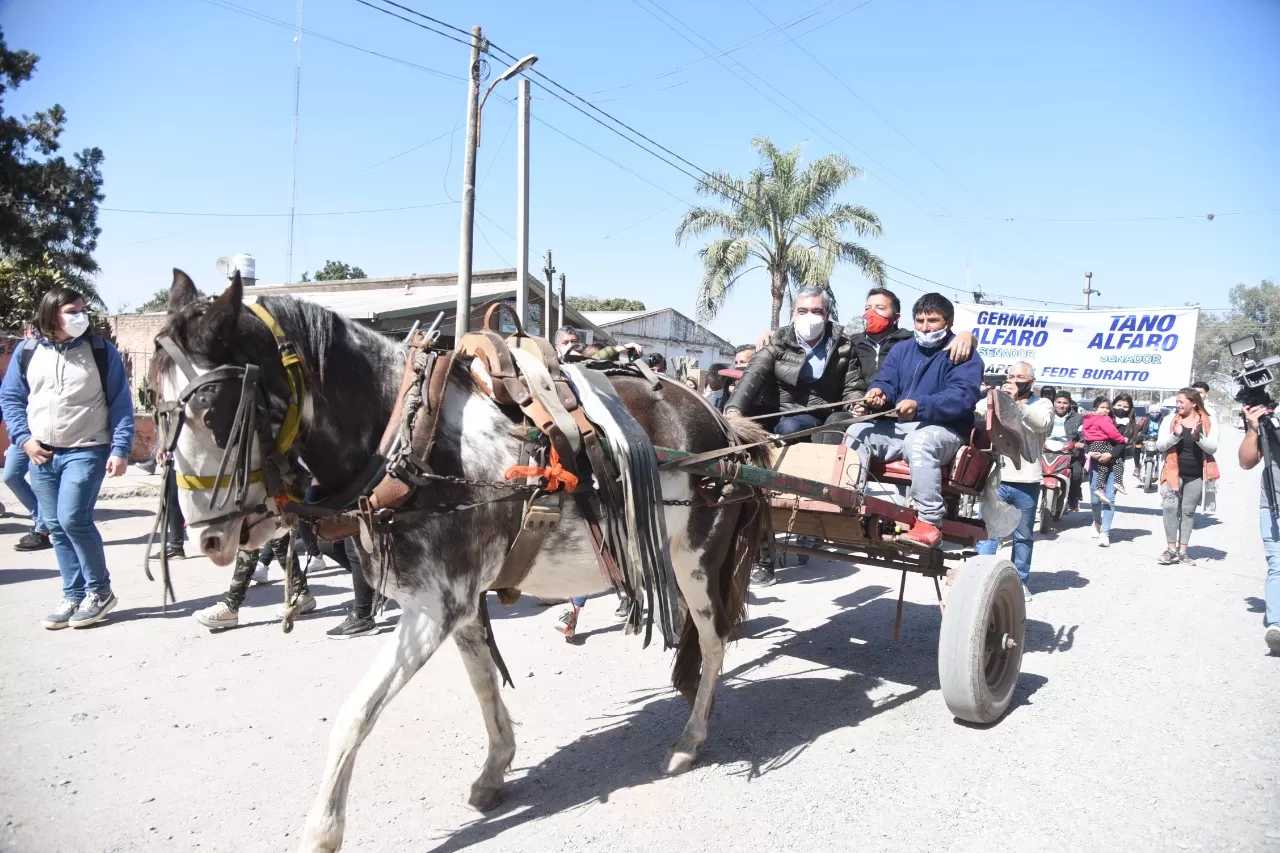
(605, 318)
(374, 303)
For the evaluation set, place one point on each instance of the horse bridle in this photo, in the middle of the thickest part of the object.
(235, 431)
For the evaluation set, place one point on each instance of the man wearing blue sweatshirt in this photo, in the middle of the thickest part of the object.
(934, 399)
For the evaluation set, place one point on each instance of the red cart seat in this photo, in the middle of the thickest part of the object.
(967, 474)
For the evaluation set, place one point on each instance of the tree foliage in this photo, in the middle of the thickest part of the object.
(612, 303)
(781, 218)
(159, 301)
(48, 205)
(336, 271)
(1255, 310)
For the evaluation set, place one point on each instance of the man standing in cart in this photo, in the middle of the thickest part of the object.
(934, 399)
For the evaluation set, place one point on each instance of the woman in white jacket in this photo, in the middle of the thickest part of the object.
(1188, 441)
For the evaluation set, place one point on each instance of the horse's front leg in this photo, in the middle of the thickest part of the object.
(486, 791)
(700, 589)
(423, 627)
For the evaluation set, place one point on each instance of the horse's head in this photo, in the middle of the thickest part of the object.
(230, 409)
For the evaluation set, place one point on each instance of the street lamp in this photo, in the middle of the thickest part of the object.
(462, 313)
(523, 65)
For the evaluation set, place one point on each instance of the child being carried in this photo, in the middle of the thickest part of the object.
(1101, 435)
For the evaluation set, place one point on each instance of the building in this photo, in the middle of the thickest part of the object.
(685, 344)
(388, 305)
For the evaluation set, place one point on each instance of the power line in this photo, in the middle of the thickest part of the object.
(271, 215)
(1109, 219)
(703, 177)
(467, 42)
(732, 48)
(252, 13)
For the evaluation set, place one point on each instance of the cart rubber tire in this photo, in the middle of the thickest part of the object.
(977, 675)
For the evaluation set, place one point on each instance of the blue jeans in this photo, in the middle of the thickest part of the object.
(794, 423)
(1103, 514)
(16, 463)
(1024, 496)
(1271, 547)
(67, 489)
(579, 601)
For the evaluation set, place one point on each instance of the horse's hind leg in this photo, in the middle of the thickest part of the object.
(423, 627)
(487, 789)
(695, 586)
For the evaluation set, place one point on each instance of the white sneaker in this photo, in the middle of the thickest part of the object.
(316, 564)
(306, 603)
(218, 616)
(1104, 540)
(1272, 636)
(262, 574)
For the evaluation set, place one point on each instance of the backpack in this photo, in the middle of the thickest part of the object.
(99, 358)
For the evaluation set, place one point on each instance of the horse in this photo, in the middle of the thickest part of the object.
(443, 561)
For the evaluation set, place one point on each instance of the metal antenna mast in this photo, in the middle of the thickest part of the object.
(293, 151)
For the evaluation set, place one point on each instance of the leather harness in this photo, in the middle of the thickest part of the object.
(518, 371)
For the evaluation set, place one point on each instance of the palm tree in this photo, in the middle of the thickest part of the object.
(785, 218)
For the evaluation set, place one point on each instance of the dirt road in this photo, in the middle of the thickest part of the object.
(1147, 717)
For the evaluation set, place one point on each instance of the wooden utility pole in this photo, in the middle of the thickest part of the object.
(1089, 292)
(462, 321)
(549, 271)
(561, 313)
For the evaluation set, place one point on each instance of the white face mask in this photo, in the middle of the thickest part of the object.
(75, 325)
(929, 340)
(809, 326)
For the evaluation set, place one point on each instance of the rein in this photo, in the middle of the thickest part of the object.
(248, 424)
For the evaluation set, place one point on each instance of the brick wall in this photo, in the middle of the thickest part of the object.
(135, 336)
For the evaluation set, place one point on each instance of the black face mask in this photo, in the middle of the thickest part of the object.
(1120, 414)
(1023, 388)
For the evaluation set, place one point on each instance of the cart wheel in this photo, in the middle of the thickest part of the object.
(980, 646)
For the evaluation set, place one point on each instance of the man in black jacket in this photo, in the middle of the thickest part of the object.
(880, 333)
(811, 362)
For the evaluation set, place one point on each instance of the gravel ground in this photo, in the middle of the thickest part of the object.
(1146, 717)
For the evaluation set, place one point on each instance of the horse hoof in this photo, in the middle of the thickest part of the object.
(484, 798)
(678, 762)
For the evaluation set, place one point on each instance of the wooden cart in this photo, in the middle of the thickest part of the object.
(813, 490)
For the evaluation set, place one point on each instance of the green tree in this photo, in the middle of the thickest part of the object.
(48, 205)
(613, 303)
(159, 301)
(336, 271)
(1255, 310)
(781, 218)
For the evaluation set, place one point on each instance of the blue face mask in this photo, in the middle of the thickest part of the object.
(930, 340)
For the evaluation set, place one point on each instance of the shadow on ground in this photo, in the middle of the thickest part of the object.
(258, 596)
(101, 513)
(8, 576)
(747, 731)
(1056, 581)
(1256, 605)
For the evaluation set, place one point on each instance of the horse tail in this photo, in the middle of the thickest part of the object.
(730, 584)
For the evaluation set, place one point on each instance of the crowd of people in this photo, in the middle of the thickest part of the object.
(67, 404)
(822, 375)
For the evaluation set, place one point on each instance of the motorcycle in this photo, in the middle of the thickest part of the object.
(1149, 465)
(1055, 485)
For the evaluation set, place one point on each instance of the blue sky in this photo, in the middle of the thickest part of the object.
(979, 111)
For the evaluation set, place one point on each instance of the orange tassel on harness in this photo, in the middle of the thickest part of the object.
(555, 474)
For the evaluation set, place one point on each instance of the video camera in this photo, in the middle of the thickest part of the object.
(1252, 377)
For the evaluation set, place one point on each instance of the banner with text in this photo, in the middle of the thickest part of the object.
(1148, 348)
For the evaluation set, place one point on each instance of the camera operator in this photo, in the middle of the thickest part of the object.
(1258, 430)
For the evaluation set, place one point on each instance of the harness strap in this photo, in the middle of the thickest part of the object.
(292, 372)
(194, 482)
